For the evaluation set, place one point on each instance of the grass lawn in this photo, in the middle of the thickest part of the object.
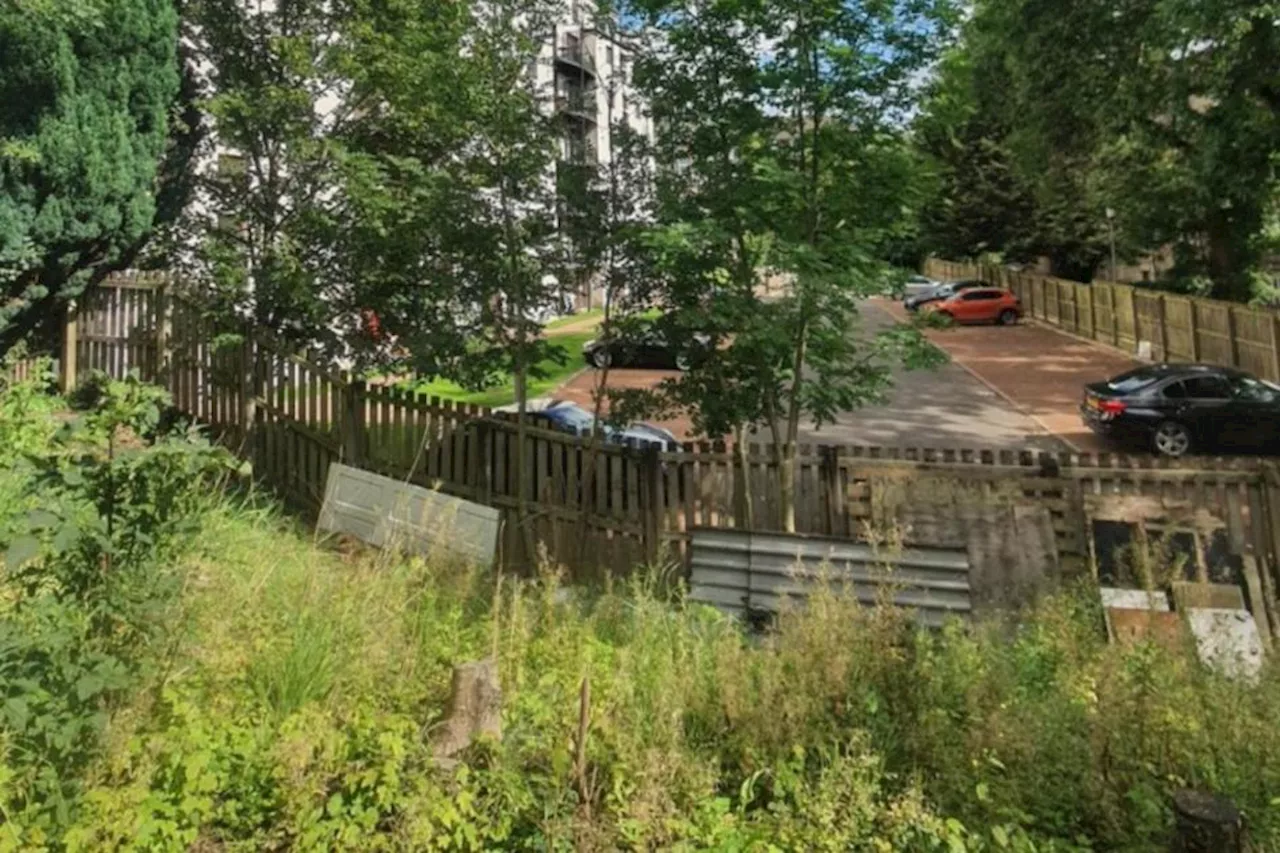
(574, 319)
(501, 395)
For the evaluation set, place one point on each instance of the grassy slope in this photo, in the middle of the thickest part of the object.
(294, 709)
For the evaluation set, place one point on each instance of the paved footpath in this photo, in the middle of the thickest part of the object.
(1039, 370)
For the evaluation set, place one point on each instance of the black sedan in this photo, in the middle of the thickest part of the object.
(650, 347)
(940, 292)
(1176, 409)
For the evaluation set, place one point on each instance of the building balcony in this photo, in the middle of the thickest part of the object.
(577, 57)
(577, 105)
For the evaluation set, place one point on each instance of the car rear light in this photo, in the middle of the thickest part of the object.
(1112, 407)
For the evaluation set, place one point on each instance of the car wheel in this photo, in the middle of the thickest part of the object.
(601, 359)
(946, 315)
(1007, 317)
(1172, 439)
(683, 362)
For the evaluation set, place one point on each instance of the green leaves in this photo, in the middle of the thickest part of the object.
(90, 536)
(87, 89)
(1163, 119)
(20, 551)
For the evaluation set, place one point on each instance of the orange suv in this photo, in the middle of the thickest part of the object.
(980, 305)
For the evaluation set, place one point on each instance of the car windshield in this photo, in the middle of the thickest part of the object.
(1249, 388)
(1133, 381)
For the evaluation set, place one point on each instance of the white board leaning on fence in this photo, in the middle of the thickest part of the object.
(389, 513)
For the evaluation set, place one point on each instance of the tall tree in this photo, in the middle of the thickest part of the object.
(499, 243)
(86, 88)
(781, 139)
(606, 210)
(980, 201)
(1162, 110)
(274, 99)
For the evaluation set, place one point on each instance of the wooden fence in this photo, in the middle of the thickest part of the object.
(611, 508)
(1177, 328)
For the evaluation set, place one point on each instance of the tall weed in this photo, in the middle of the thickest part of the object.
(295, 711)
(89, 585)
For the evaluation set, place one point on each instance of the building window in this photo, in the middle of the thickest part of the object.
(608, 56)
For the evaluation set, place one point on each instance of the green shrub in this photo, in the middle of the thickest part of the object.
(89, 584)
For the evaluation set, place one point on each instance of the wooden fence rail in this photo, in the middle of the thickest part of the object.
(610, 508)
(1174, 327)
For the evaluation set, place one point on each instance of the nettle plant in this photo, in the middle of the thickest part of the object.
(90, 576)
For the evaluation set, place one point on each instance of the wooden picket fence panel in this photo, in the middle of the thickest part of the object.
(607, 508)
(19, 370)
(1177, 328)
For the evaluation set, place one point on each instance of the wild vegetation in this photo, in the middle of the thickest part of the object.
(1051, 130)
(184, 667)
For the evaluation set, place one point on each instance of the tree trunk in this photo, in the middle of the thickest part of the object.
(475, 709)
(743, 509)
(787, 485)
(524, 476)
(1228, 258)
(1205, 823)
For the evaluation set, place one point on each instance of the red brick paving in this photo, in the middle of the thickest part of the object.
(580, 389)
(1040, 370)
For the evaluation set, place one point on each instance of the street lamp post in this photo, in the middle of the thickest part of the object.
(1111, 233)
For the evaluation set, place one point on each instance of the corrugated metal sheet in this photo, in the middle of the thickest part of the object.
(736, 569)
(383, 512)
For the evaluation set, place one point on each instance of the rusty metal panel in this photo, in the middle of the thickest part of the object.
(389, 513)
(737, 570)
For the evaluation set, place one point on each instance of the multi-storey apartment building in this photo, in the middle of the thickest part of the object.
(583, 75)
(588, 68)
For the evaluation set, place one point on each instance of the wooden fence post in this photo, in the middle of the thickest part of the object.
(248, 395)
(484, 463)
(1275, 350)
(829, 478)
(1115, 318)
(162, 331)
(1231, 337)
(651, 509)
(1133, 312)
(70, 341)
(1164, 331)
(1195, 329)
(353, 433)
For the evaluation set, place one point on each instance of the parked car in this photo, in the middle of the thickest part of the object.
(980, 305)
(650, 347)
(939, 292)
(1177, 409)
(564, 416)
(916, 285)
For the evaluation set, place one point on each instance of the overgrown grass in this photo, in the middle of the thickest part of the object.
(291, 705)
(299, 701)
(555, 373)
